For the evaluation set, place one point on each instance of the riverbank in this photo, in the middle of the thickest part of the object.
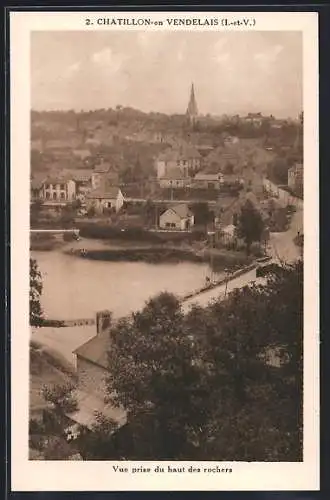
(218, 260)
(46, 242)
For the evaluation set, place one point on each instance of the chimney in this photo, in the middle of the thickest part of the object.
(103, 321)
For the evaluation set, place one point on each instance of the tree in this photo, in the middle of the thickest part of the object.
(149, 213)
(250, 225)
(36, 313)
(202, 386)
(203, 215)
(49, 435)
(153, 377)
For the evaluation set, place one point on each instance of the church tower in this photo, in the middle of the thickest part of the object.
(192, 111)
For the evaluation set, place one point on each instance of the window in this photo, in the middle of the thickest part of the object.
(62, 196)
(168, 224)
(54, 196)
(47, 195)
(62, 187)
(109, 204)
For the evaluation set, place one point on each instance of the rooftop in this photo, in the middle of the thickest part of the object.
(79, 174)
(182, 210)
(108, 192)
(95, 350)
(64, 340)
(205, 176)
(89, 404)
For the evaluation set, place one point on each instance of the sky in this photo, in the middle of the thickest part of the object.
(233, 72)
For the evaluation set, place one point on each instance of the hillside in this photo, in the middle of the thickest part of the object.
(46, 368)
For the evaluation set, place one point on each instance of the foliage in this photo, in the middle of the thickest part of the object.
(150, 214)
(202, 386)
(250, 224)
(61, 398)
(48, 435)
(68, 214)
(36, 313)
(98, 442)
(202, 213)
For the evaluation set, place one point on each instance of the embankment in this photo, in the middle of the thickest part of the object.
(106, 232)
(164, 254)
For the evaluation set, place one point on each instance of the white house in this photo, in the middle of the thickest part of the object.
(174, 179)
(178, 217)
(101, 200)
(58, 189)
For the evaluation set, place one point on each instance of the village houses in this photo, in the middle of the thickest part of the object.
(92, 369)
(104, 199)
(59, 189)
(208, 181)
(178, 217)
(186, 158)
(174, 179)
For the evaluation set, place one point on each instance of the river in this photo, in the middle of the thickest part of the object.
(77, 288)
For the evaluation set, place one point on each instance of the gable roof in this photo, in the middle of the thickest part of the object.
(182, 210)
(110, 193)
(103, 168)
(205, 176)
(79, 174)
(95, 350)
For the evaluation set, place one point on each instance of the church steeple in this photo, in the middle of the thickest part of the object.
(192, 110)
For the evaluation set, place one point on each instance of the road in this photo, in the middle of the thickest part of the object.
(281, 245)
(281, 248)
(219, 292)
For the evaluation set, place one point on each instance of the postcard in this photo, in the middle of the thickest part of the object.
(164, 255)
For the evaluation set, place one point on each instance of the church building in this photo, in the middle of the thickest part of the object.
(192, 110)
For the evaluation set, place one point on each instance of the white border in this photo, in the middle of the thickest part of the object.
(86, 476)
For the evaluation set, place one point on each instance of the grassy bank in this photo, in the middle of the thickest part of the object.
(45, 242)
(106, 232)
(161, 255)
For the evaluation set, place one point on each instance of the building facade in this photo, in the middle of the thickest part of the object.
(57, 189)
(102, 200)
(178, 218)
(91, 361)
(208, 181)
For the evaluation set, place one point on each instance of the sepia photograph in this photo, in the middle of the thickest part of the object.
(166, 246)
(166, 223)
